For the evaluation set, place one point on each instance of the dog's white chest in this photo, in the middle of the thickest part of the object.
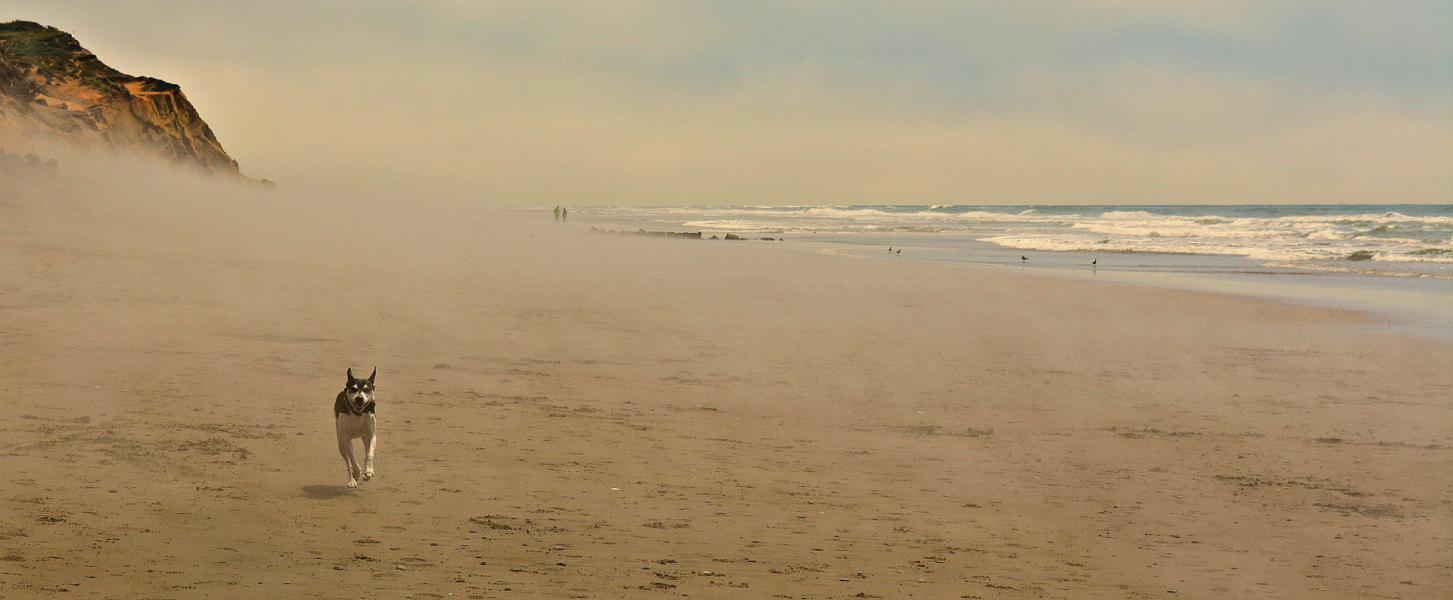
(355, 426)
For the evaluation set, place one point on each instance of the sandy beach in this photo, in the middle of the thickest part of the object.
(566, 414)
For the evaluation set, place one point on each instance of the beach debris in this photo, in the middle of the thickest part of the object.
(492, 522)
(936, 430)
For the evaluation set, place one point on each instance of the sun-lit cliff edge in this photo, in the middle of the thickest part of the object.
(53, 90)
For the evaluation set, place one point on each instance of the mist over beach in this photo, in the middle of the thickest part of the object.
(726, 301)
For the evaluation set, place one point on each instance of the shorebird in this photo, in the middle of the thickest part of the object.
(1094, 262)
(1023, 258)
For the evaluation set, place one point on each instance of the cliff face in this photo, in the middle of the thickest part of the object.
(52, 88)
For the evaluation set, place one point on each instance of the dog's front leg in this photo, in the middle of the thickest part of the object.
(345, 447)
(370, 441)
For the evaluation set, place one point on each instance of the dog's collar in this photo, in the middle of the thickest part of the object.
(358, 412)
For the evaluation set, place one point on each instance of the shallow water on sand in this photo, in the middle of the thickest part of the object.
(1408, 296)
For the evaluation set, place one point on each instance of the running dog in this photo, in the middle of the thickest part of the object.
(353, 413)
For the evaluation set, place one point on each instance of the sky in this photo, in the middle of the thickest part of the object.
(808, 103)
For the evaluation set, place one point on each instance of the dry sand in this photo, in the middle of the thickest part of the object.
(573, 415)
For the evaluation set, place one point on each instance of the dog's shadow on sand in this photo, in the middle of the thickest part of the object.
(326, 492)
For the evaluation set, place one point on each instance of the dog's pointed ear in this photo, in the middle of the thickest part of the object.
(374, 375)
(350, 373)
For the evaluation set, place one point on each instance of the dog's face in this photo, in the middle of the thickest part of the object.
(359, 392)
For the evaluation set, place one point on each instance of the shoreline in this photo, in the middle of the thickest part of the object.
(1407, 304)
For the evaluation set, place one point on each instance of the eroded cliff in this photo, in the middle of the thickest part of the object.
(52, 89)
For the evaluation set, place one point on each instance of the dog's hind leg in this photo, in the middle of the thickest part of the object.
(370, 441)
(345, 447)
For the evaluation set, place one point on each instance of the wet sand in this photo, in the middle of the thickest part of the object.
(573, 415)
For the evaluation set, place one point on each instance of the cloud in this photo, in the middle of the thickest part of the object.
(767, 102)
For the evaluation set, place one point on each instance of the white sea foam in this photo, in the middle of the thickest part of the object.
(1327, 234)
(729, 225)
(1284, 235)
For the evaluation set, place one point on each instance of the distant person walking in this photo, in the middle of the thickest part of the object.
(557, 213)
(564, 214)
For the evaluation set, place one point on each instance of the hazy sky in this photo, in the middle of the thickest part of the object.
(738, 102)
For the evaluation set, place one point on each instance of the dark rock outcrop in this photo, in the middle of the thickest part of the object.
(689, 235)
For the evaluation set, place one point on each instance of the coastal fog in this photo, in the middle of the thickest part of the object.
(568, 413)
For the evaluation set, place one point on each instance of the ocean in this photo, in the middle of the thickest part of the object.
(1381, 240)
